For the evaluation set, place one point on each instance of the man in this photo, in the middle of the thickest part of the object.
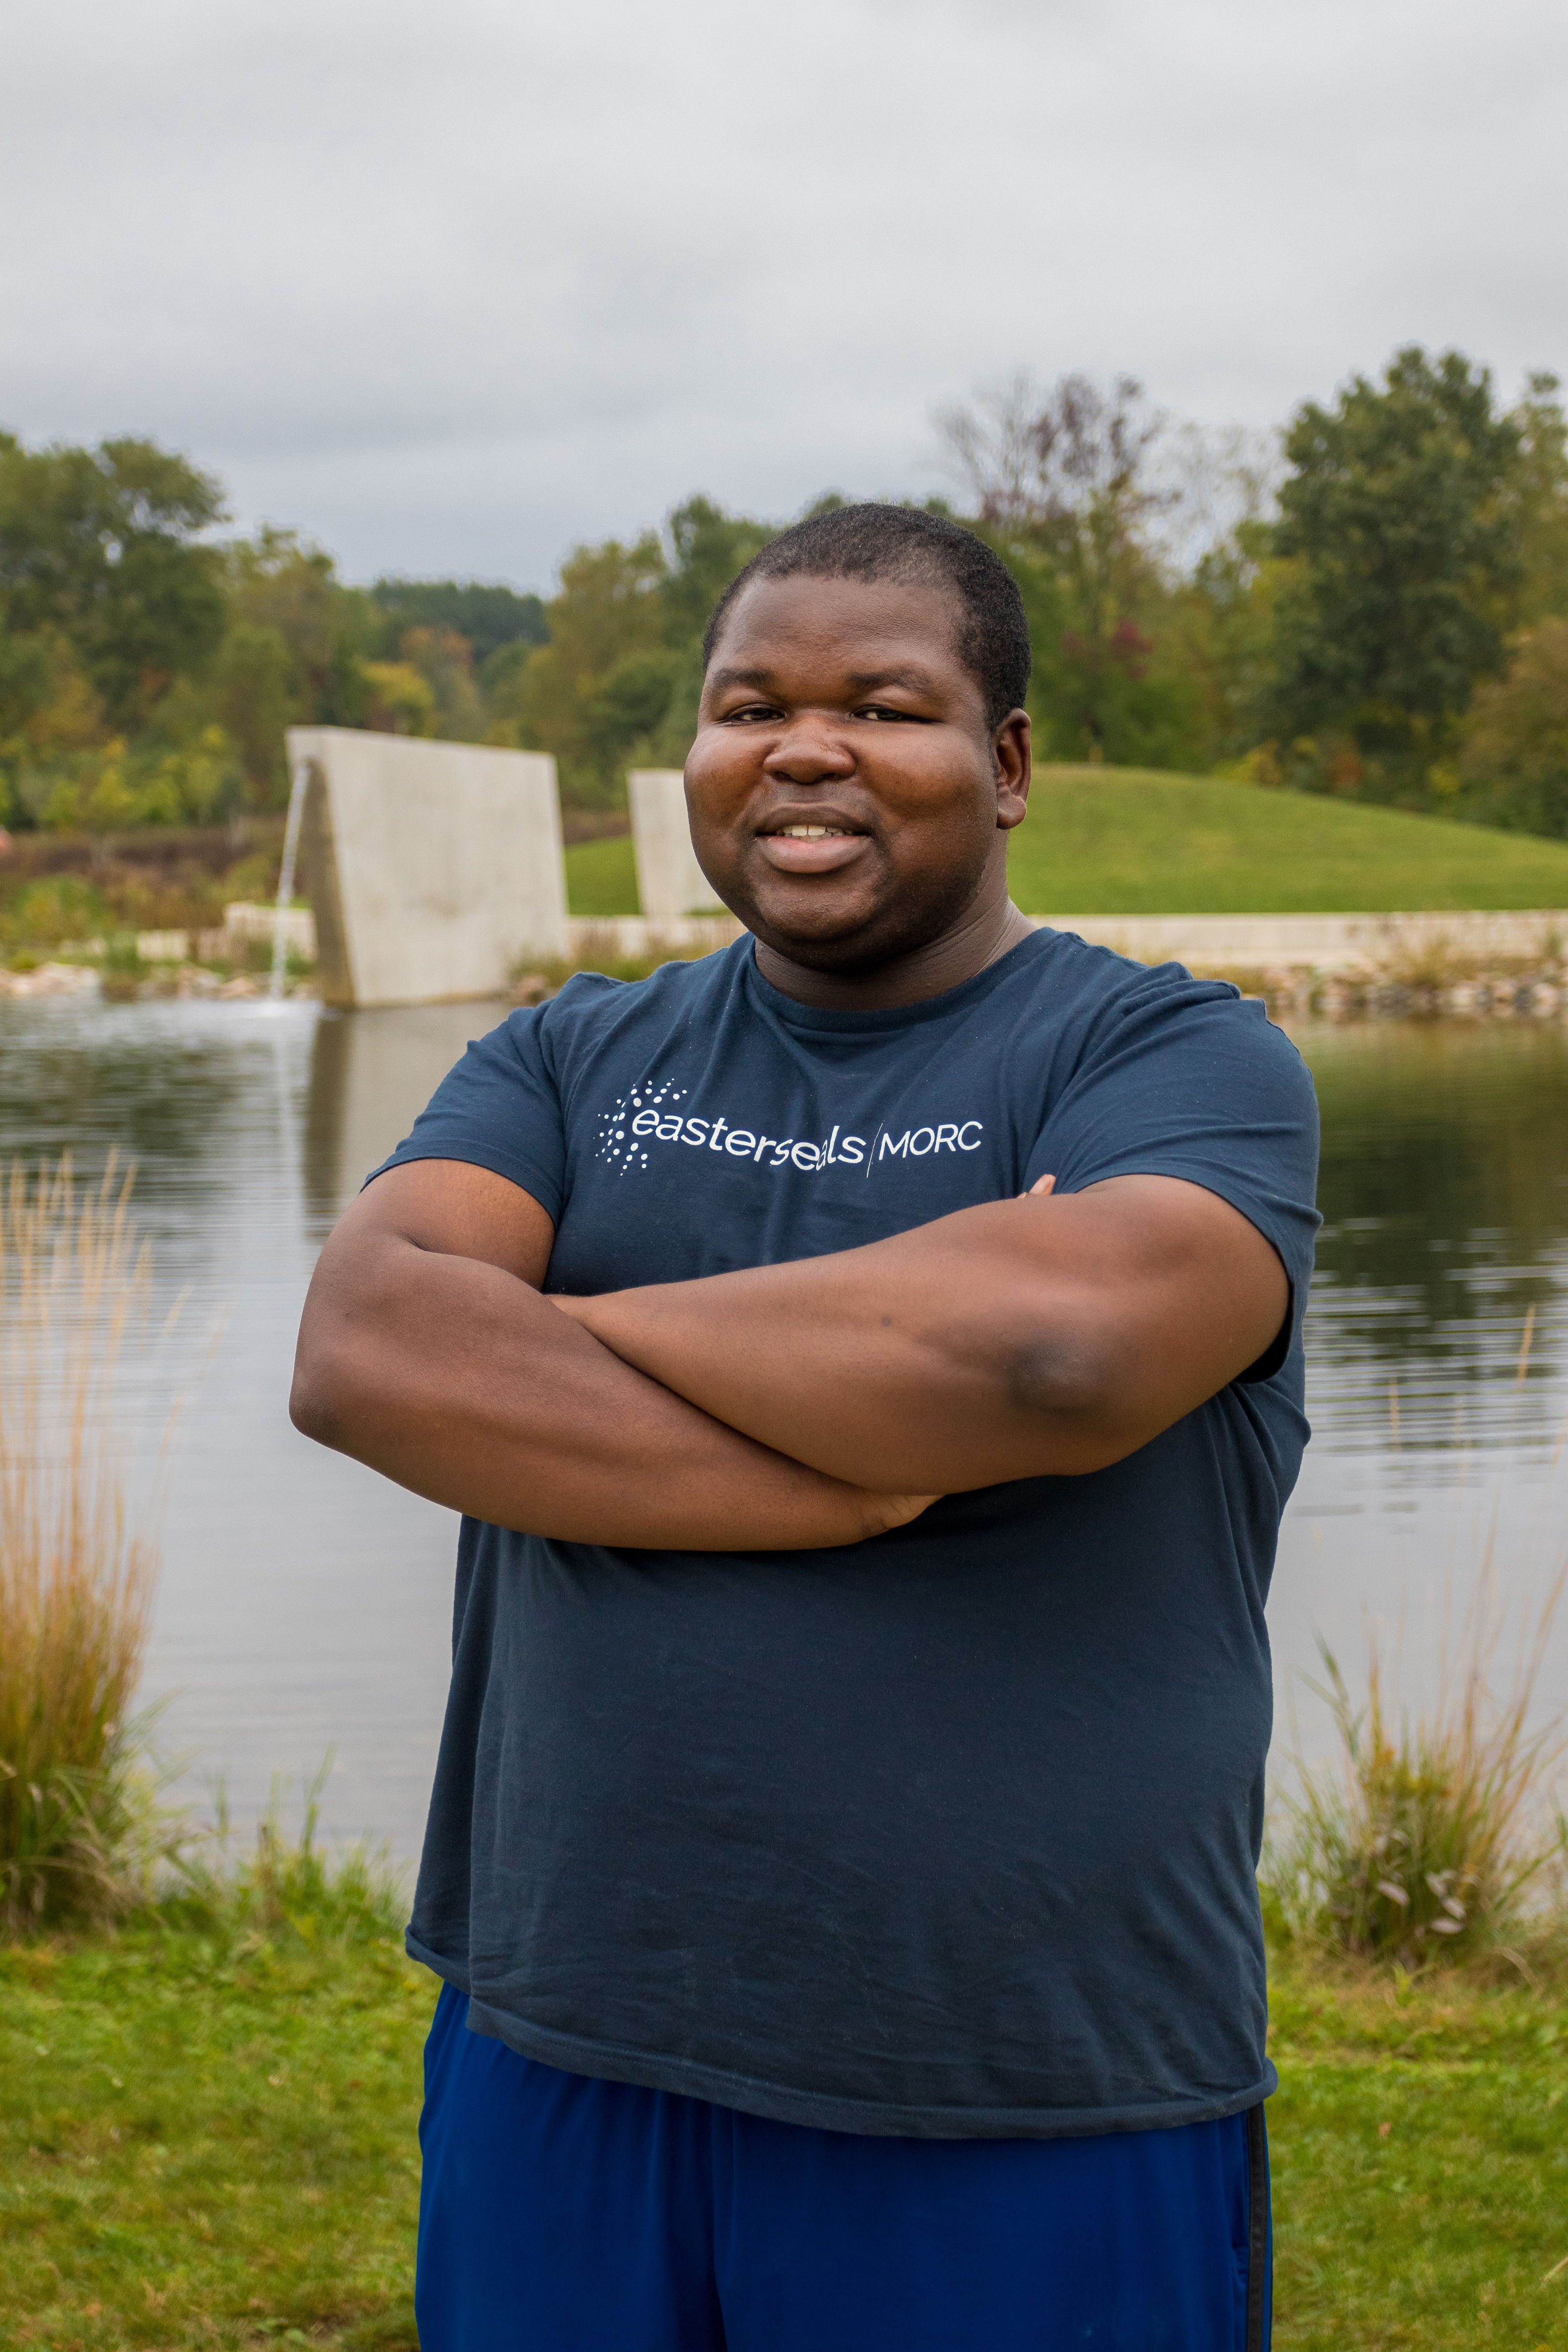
(869, 1362)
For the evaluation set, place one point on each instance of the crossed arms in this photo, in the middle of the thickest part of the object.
(784, 1408)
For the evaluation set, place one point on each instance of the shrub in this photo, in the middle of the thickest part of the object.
(60, 906)
(1427, 1843)
(110, 788)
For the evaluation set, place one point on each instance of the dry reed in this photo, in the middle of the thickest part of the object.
(80, 1826)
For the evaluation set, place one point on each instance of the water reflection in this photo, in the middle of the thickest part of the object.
(1435, 1353)
(369, 1073)
(306, 1604)
(303, 1604)
(1445, 1199)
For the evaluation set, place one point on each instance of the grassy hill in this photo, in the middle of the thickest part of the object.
(601, 878)
(1133, 841)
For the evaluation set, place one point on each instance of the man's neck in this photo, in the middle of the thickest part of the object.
(981, 937)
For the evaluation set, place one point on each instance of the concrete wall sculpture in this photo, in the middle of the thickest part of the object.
(670, 882)
(433, 867)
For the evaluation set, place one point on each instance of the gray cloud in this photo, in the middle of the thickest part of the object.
(450, 290)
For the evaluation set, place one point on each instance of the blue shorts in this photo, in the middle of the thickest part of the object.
(561, 2214)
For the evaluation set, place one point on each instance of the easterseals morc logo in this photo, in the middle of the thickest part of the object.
(646, 1116)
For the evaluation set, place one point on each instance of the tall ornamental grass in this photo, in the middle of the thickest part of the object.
(81, 1827)
(1431, 1839)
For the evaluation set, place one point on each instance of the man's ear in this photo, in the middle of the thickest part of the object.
(1010, 750)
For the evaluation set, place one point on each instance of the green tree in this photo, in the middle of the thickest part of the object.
(1400, 522)
(605, 610)
(23, 679)
(402, 700)
(279, 580)
(1219, 635)
(487, 613)
(103, 545)
(501, 690)
(444, 660)
(631, 708)
(294, 653)
(648, 709)
(1541, 497)
(707, 548)
(1513, 759)
(617, 684)
(256, 694)
(1067, 492)
(47, 701)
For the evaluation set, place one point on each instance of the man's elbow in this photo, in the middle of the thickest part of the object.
(309, 1407)
(1065, 1378)
(321, 1396)
(1070, 1388)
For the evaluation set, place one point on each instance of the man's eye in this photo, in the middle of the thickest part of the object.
(751, 712)
(885, 711)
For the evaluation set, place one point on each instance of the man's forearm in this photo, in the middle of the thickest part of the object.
(1017, 1339)
(457, 1379)
(855, 1359)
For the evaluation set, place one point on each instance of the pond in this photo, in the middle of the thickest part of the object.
(305, 1604)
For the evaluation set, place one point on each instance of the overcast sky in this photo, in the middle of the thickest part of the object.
(450, 286)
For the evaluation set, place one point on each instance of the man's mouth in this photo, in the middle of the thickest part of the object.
(807, 848)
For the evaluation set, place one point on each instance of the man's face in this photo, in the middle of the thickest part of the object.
(847, 799)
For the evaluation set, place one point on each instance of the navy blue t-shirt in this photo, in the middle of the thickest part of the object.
(952, 1832)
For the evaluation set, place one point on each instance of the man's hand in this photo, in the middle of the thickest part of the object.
(427, 1352)
(1055, 1333)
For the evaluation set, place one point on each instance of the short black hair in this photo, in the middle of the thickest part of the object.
(872, 541)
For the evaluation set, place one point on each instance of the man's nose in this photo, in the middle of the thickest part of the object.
(811, 749)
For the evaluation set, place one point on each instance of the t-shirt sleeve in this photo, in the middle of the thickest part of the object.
(498, 1108)
(1185, 1077)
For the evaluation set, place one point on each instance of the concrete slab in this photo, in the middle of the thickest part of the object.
(670, 882)
(248, 923)
(1317, 943)
(432, 866)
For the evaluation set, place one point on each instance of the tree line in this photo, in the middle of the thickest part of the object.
(1373, 603)
(148, 668)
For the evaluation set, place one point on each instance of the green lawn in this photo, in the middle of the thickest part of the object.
(209, 2142)
(1128, 841)
(602, 877)
(1131, 841)
(209, 2139)
(1419, 2146)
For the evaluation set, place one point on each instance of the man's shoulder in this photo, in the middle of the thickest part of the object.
(1097, 970)
(1134, 1022)
(1068, 973)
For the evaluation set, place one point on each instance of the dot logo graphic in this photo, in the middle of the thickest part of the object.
(620, 1137)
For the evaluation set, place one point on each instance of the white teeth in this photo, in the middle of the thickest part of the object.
(811, 832)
